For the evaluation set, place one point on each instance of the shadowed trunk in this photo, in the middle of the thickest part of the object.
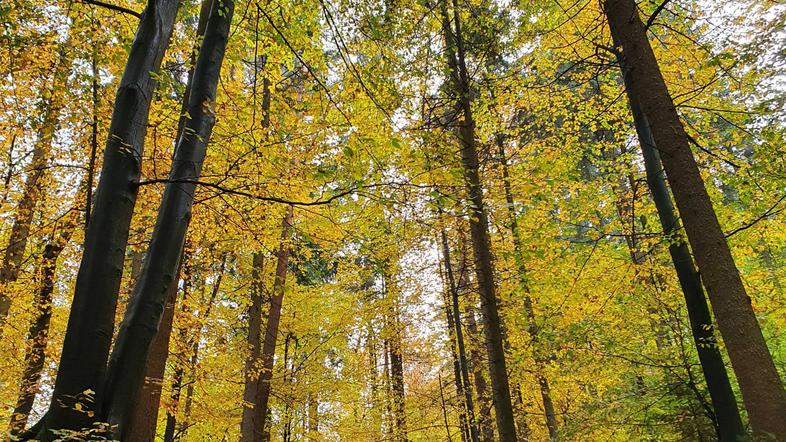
(762, 389)
(91, 322)
(727, 417)
(142, 318)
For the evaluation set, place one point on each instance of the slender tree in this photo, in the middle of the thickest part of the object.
(478, 220)
(252, 423)
(142, 427)
(262, 399)
(761, 387)
(50, 108)
(38, 333)
(529, 311)
(455, 324)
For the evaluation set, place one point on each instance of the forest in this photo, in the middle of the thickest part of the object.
(392, 220)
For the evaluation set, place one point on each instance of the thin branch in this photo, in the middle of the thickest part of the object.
(273, 199)
(655, 14)
(116, 8)
(767, 213)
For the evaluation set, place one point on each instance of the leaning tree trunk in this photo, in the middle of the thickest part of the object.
(91, 322)
(126, 366)
(50, 107)
(38, 334)
(727, 416)
(762, 389)
(262, 399)
(481, 243)
(532, 328)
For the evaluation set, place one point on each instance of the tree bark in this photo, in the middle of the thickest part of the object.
(762, 389)
(460, 352)
(91, 322)
(478, 221)
(271, 329)
(51, 106)
(727, 417)
(142, 427)
(142, 318)
(253, 420)
(38, 333)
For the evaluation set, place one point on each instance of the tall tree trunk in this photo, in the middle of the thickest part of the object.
(271, 329)
(91, 322)
(521, 267)
(460, 351)
(126, 366)
(50, 108)
(38, 333)
(762, 389)
(252, 423)
(142, 427)
(478, 221)
(724, 403)
(481, 388)
(397, 377)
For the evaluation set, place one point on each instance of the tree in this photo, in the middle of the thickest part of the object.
(762, 389)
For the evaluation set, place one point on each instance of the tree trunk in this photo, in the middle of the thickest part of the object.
(727, 417)
(532, 326)
(38, 333)
(91, 322)
(481, 388)
(253, 422)
(397, 384)
(460, 352)
(478, 221)
(52, 104)
(762, 389)
(142, 318)
(271, 329)
(142, 427)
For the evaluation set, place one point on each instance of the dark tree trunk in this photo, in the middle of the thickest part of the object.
(271, 329)
(478, 221)
(397, 384)
(532, 326)
(91, 322)
(762, 389)
(142, 427)
(481, 387)
(38, 333)
(253, 421)
(142, 318)
(50, 107)
(460, 351)
(727, 417)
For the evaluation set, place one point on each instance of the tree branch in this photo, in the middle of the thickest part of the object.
(116, 8)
